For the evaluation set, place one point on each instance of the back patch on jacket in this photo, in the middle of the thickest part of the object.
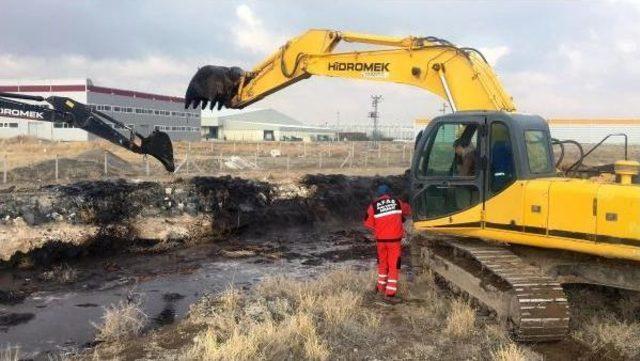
(386, 207)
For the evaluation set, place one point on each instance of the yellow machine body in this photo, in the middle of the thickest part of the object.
(569, 214)
(534, 209)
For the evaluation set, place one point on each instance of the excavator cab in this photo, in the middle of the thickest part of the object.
(466, 158)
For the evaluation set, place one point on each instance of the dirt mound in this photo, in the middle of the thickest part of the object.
(237, 204)
(87, 165)
(25, 139)
(113, 161)
(348, 196)
(208, 208)
(233, 203)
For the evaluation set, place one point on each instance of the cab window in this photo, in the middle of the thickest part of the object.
(501, 169)
(537, 143)
(450, 156)
(451, 152)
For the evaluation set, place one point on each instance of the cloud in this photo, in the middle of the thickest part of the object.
(318, 99)
(495, 53)
(569, 59)
(158, 74)
(250, 33)
(627, 46)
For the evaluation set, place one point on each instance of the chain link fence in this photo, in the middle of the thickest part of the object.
(53, 162)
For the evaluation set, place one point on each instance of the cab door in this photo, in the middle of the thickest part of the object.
(504, 193)
(448, 173)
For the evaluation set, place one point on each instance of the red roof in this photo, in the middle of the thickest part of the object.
(42, 88)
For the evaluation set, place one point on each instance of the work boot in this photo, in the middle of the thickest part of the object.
(392, 300)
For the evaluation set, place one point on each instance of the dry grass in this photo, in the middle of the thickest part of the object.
(629, 307)
(461, 319)
(82, 160)
(609, 334)
(607, 320)
(333, 317)
(10, 353)
(267, 340)
(120, 321)
(61, 273)
(284, 319)
(432, 309)
(512, 352)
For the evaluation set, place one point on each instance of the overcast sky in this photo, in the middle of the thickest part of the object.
(557, 59)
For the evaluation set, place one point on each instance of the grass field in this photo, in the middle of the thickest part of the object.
(334, 317)
(29, 159)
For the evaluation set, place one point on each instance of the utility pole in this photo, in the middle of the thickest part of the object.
(337, 127)
(444, 108)
(375, 100)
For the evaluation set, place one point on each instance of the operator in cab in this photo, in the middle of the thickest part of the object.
(465, 158)
(385, 217)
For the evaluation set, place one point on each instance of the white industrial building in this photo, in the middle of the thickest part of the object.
(262, 125)
(584, 131)
(142, 111)
(594, 130)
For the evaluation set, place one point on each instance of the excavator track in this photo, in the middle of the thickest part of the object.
(533, 303)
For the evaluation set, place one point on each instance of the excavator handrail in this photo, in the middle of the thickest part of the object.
(579, 161)
(561, 143)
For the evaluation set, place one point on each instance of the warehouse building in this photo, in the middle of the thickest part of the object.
(419, 125)
(594, 130)
(262, 125)
(144, 112)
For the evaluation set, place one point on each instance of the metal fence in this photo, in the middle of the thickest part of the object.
(102, 160)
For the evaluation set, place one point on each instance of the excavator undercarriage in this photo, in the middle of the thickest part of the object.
(532, 304)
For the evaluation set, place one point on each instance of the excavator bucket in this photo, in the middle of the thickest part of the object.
(213, 85)
(158, 145)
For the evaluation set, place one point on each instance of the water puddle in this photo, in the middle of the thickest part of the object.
(51, 322)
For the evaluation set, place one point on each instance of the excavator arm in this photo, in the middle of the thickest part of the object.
(461, 76)
(66, 110)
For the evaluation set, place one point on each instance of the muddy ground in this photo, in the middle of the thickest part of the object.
(168, 282)
(71, 250)
(56, 222)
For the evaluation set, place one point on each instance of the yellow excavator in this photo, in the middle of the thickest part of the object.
(495, 217)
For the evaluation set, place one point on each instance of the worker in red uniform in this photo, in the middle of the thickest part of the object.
(385, 217)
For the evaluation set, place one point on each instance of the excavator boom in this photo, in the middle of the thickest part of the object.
(461, 76)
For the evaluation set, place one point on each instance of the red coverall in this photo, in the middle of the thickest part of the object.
(385, 217)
